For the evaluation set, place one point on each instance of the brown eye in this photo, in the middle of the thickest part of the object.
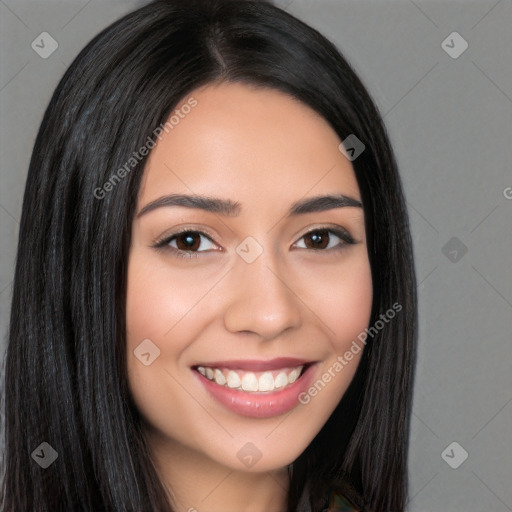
(317, 239)
(326, 239)
(188, 241)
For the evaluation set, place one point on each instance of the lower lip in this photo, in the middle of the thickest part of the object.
(259, 405)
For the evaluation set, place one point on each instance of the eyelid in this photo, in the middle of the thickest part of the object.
(166, 237)
(332, 228)
(342, 233)
(162, 243)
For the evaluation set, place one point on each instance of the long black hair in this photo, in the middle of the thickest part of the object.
(66, 381)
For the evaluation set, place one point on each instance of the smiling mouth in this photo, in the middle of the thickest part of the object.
(253, 381)
(255, 388)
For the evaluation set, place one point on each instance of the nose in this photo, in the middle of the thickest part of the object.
(261, 301)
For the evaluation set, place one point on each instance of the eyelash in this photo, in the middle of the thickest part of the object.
(163, 244)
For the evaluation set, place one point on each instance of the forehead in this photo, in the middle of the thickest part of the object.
(257, 144)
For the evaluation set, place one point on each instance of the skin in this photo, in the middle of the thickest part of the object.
(264, 150)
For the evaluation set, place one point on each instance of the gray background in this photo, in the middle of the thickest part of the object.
(450, 121)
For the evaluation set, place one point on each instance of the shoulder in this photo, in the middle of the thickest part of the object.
(338, 502)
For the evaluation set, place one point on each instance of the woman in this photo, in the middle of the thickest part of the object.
(214, 302)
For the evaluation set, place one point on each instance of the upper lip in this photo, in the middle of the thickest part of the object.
(257, 365)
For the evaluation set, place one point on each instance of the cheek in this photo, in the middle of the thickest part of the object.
(354, 306)
(344, 308)
(343, 311)
(152, 312)
(158, 300)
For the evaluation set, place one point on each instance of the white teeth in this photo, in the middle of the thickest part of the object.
(251, 381)
(233, 380)
(294, 375)
(281, 380)
(266, 382)
(219, 377)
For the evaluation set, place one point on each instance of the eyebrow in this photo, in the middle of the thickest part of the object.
(230, 208)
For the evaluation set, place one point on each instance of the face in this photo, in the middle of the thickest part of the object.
(239, 309)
